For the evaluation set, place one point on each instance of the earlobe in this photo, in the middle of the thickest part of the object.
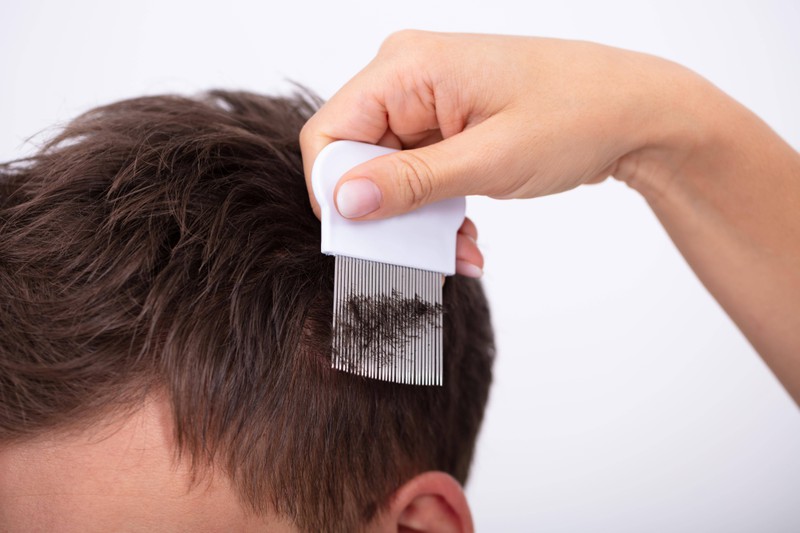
(432, 502)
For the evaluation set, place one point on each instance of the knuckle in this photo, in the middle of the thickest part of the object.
(396, 36)
(306, 132)
(403, 40)
(415, 179)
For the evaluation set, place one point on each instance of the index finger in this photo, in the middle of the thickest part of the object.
(354, 113)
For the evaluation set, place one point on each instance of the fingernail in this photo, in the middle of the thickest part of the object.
(468, 269)
(357, 198)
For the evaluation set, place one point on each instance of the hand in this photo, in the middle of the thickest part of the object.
(508, 117)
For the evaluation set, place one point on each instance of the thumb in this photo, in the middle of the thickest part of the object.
(403, 181)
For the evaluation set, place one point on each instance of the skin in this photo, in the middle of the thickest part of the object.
(121, 474)
(519, 117)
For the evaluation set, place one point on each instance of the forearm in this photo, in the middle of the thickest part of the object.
(727, 190)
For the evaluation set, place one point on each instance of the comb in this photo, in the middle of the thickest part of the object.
(387, 298)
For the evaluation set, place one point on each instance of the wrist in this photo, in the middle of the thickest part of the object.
(681, 122)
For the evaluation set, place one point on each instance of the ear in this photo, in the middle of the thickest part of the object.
(432, 502)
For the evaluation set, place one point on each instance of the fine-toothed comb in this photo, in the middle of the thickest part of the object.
(387, 303)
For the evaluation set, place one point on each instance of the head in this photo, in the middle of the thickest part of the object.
(165, 339)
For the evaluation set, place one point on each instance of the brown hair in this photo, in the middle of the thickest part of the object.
(168, 243)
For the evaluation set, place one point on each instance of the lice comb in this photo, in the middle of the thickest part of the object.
(387, 299)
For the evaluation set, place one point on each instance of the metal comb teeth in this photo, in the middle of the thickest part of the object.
(387, 322)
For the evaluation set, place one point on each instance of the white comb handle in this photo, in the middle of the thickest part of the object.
(424, 238)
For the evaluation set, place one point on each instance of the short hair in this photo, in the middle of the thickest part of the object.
(167, 243)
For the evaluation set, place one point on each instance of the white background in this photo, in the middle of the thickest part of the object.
(624, 400)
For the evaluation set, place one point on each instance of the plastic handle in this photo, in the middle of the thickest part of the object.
(424, 238)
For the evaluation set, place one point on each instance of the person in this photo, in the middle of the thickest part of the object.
(521, 117)
(166, 333)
